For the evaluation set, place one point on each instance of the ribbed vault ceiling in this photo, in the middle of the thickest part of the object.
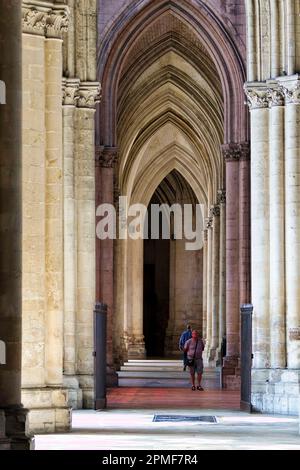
(169, 112)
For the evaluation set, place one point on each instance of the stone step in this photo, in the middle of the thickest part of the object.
(162, 373)
(159, 367)
(152, 368)
(210, 384)
(159, 374)
(153, 360)
(154, 363)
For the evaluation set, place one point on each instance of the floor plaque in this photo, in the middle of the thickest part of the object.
(179, 418)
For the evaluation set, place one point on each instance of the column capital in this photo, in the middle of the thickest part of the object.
(236, 151)
(106, 157)
(45, 18)
(80, 94)
(89, 94)
(292, 95)
(257, 95)
(70, 88)
(276, 96)
(221, 196)
(215, 210)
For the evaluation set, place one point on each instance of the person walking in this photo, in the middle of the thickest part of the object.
(187, 334)
(194, 348)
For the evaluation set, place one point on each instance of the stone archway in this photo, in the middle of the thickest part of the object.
(174, 65)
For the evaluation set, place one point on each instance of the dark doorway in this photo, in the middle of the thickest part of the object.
(156, 295)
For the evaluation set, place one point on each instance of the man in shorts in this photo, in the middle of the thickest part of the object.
(187, 334)
(194, 348)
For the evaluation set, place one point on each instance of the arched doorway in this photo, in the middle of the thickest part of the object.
(173, 276)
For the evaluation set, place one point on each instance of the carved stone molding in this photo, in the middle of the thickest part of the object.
(257, 97)
(34, 21)
(81, 94)
(45, 18)
(276, 97)
(205, 236)
(106, 157)
(89, 95)
(236, 152)
(215, 210)
(292, 95)
(221, 196)
(57, 23)
(70, 88)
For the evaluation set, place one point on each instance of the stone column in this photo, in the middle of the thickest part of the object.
(136, 344)
(172, 332)
(237, 269)
(251, 19)
(88, 95)
(209, 288)
(34, 208)
(70, 88)
(222, 281)
(106, 160)
(277, 237)
(43, 391)
(70, 98)
(260, 230)
(12, 414)
(204, 318)
(290, 36)
(215, 212)
(244, 226)
(292, 218)
(232, 153)
(54, 213)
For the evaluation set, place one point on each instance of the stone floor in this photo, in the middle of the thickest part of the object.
(128, 424)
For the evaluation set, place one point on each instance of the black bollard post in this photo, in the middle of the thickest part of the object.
(246, 356)
(100, 314)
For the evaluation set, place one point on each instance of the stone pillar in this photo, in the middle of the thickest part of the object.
(290, 37)
(244, 225)
(70, 380)
(204, 318)
(43, 303)
(232, 155)
(215, 212)
(251, 19)
(106, 158)
(12, 414)
(54, 213)
(275, 249)
(70, 97)
(209, 288)
(33, 219)
(237, 269)
(292, 218)
(88, 95)
(222, 281)
(277, 236)
(136, 344)
(260, 229)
